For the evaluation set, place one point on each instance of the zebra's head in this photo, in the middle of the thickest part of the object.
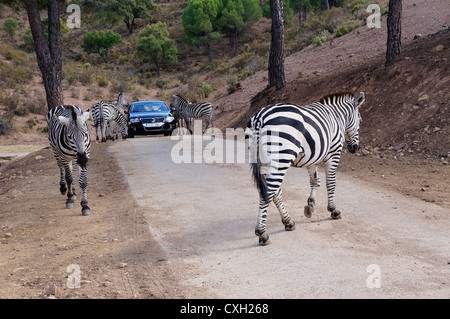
(121, 100)
(175, 101)
(352, 129)
(78, 133)
(123, 125)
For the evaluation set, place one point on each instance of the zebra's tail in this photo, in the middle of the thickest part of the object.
(256, 165)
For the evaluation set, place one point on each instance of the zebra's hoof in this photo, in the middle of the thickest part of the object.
(69, 204)
(309, 210)
(264, 239)
(86, 211)
(336, 214)
(290, 226)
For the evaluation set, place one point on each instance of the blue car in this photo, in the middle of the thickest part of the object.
(150, 117)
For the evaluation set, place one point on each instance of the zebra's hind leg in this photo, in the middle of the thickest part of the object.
(260, 229)
(286, 219)
(331, 166)
(314, 182)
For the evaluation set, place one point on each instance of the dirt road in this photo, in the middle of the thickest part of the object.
(203, 215)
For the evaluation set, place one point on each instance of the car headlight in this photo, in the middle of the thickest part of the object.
(169, 119)
(134, 120)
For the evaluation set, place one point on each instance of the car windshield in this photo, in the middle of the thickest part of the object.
(154, 106)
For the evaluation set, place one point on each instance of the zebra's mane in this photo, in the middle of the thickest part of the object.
(337, 94)
(182, 98)
(73, 111)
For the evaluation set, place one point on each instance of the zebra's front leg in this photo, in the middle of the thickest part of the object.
(69, 182)
(188, 124)
(286, 219)
(331, 167)
(83, 183)
(314, 182)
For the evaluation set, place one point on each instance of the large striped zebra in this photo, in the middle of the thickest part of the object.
(284, 135)
(70, 139)
(97, 116)
(189, 110)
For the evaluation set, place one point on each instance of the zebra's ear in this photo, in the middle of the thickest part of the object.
(63, 120)
(85, 116)
(360, 100)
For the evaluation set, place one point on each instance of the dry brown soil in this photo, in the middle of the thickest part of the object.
(404, 135)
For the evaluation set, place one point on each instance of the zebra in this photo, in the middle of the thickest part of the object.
(70, 139)
(96, 115)
(110, 114)
(188, 110)
(119, 104)
(284, 135)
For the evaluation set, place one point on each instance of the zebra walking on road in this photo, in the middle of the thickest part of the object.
(189, 110)
(69, 137)
(284, 135)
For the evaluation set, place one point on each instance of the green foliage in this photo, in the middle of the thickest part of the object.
(10, 26)
(155, 46)
(343, 30)
(205, 89)
(319, 40)
(28, 37)
(28, 40)
(128, 11)
(100, 42)
(197, 20)
(237, 15)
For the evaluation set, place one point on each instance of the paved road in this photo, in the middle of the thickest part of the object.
(203, 215)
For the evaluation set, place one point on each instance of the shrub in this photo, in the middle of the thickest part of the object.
(6, 127)
(319, 40)
(102, 81)
(357, 7)
(205, 89)
(10, 26)
(85, 77)
(233, 85)
(343, 30)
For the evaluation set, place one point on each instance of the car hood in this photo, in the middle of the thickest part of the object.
(147, 114)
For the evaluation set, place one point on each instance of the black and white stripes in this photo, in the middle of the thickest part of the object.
(69, 137)
(284, 135)
(192, 110)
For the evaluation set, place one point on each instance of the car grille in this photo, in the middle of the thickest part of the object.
(153, 120)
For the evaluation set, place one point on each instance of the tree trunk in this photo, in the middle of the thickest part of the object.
(300, 15)
(209, 52)
(326, 4)
(48, 53)
(277, 76)
(394, 37)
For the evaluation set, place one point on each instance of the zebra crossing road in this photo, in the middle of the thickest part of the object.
(203, 214)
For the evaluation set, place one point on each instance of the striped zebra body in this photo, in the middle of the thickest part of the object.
(69, 137)
(285, 135)
(105, 115)
(97, 116)
(188, 111)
